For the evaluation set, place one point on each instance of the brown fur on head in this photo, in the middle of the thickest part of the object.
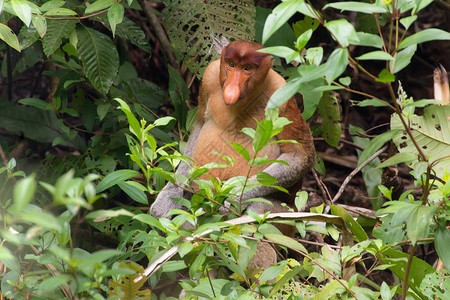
(243, 70)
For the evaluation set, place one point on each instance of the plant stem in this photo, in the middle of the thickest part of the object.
(408, 268)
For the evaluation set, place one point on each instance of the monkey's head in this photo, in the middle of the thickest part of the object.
(243, 71)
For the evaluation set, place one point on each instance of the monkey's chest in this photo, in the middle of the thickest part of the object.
(213, 138)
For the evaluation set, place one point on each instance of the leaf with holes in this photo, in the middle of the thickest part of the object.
(56, 31)
(126, 287)
(330, 113)
(431, 132)
(191, 24)
(99, 57)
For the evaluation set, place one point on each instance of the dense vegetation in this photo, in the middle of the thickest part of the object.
(96, 106)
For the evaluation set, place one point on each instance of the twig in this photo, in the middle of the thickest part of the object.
(355, 171)
(408, 268)
(161, 34)
(322, 186)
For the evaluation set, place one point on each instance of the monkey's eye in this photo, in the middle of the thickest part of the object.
(248, 68)
(231, 65)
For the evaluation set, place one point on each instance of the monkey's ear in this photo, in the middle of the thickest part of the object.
(219, 44)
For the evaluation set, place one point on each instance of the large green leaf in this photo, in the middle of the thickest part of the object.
(132, 32)
(430, 34)
(362, 7)
(330, 113)
(99, 57)
(8, 36)
(35, 124)
(432, 133)
(190, 25)
(56, 31)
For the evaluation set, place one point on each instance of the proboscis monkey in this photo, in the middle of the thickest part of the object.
(234, 92)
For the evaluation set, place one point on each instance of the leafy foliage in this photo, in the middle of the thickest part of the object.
(194, 25)
(104, 165)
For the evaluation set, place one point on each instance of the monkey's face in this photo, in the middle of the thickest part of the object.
(243, 71)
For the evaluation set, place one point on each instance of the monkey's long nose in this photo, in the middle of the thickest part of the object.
(231, 90)
(231, 94)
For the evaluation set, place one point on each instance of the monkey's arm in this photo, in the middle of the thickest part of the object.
(164, 203)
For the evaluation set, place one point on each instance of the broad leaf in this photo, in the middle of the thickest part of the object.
(330, 113)
(431, 34)
(402, 59)
(369, 39)
(115, 178)
(432, 133)
(99, 5)
(99, 57)
(8, 36)
(279, 16)
(343, 31)
(376, 55)
(358, 232)
(442, 242)
(362, 7)
(193, 25)
(115, 16)
(22, 10)
(336, 64)
(56, 31)
(404, 157)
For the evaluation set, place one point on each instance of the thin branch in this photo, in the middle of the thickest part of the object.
(352, 174)
(161, 34)
(408, 268)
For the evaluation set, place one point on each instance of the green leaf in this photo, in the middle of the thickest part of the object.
(358, 232)
(56, 31)
(343, 31)
(279, 16)
(60, 11)
(22, 10)
(134, 193)
(241, 150)
(271, 273)
(43, 219)
(52, 4)
(115, 16)
(432, 131)
(442, 242)
(185, 248)
(369, 39)
(300, 200)
(24, 192)
(385, 76)
(38, 103)
(303, 39)
(407, 21)
(371, 102)
(375, 55)
(426, 35)
(398, 159)
(330, 113)
(419, 221)
(362, 7)
(285, 241)
(99, 5)
(262, 135)
(336, 64)
(284, 93)
(8, 36)
(402, 59)
(375, 144)
(149, 220)
(99, 57)
(114, 178)
(266, 179)
(40, 23)
(52, 283)
(10, 261)
(135, 127)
